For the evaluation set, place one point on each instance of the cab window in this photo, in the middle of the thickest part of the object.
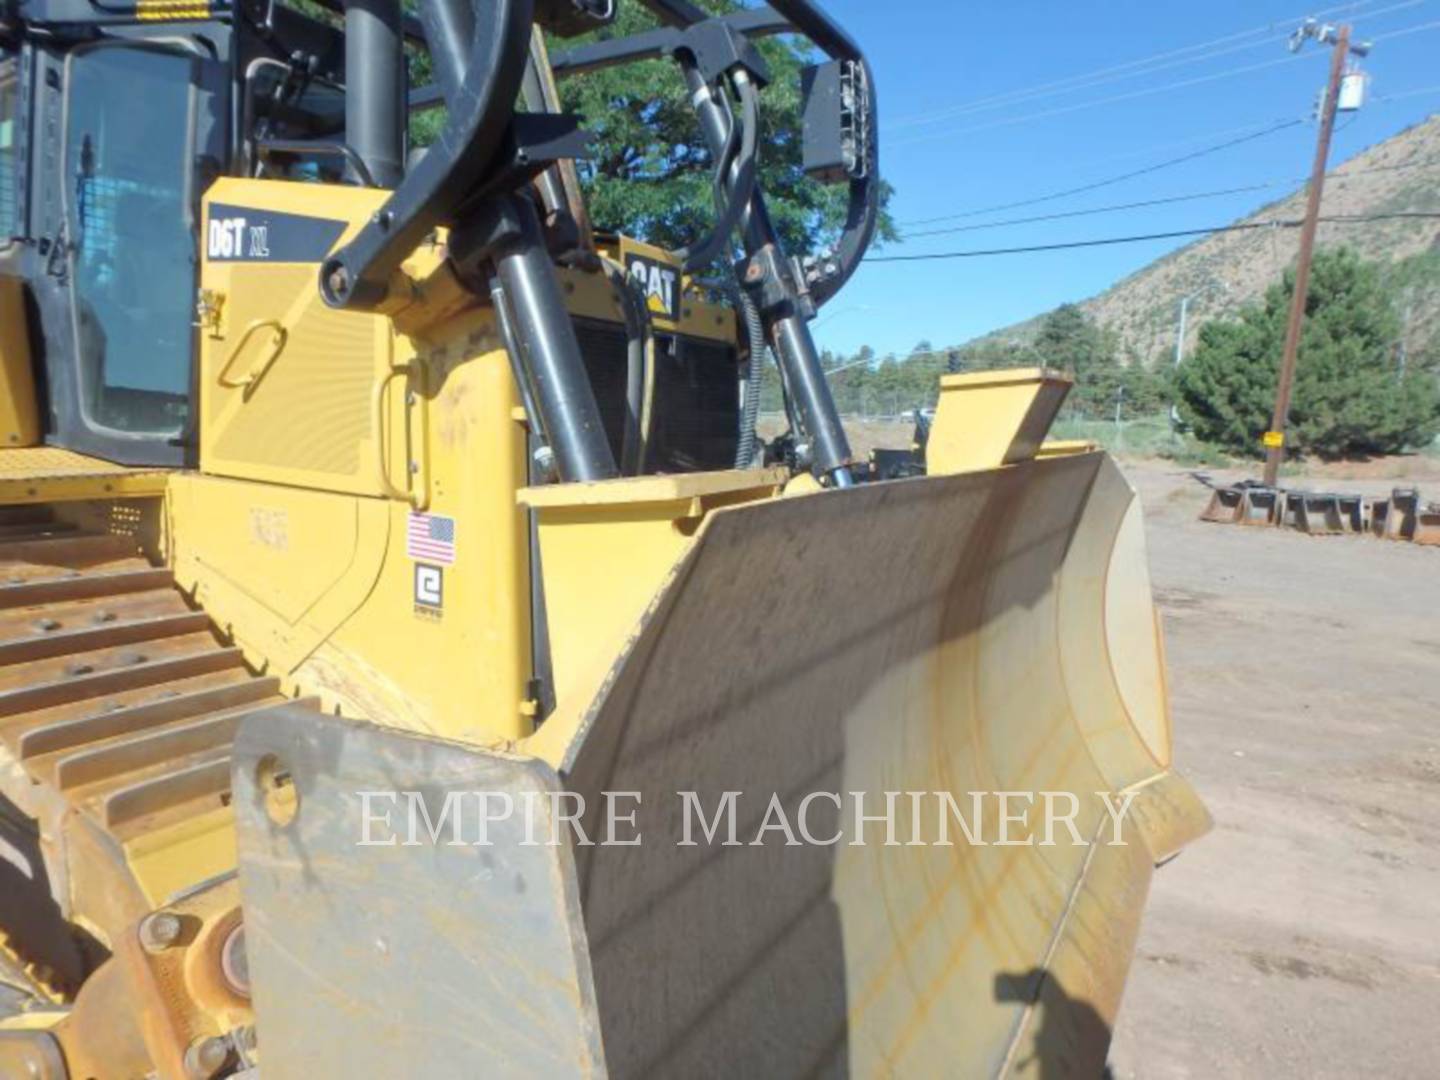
(9, 150)
(127, 165)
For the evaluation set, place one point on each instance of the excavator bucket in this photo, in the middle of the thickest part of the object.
(789, 736)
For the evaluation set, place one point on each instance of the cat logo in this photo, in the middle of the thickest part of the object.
(659, 283)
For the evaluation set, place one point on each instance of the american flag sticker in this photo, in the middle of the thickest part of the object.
(431, 537)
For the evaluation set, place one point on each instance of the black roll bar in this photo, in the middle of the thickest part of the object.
(357, 277)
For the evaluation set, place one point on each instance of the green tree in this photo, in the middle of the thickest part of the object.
(1350, 396)
(1070, 341)
(650, 176)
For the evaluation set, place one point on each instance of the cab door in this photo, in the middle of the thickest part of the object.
(140, 123)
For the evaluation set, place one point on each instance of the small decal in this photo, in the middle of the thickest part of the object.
(659, 283)
(431, 537)
(1274, 439)
(254, 234)
(429, 589)
(270, 528)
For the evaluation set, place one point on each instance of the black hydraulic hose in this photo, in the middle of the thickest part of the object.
(637, 359)
(785, 326)
(734, 178)
(720, 178)
(750, 407)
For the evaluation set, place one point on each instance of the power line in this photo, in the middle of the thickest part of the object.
(1407, 94)
(1193, 196)
(1132, 95)
(1353, 219)
(1019, 98)
(1403, 31)
(1250, 133)
(1168, 163)
(1117, 71)
(1093, 210)
(1129, 95)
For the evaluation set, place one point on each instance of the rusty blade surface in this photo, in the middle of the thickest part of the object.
(990, 631)
(435, 960)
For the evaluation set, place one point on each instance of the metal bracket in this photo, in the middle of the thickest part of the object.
(718, 49)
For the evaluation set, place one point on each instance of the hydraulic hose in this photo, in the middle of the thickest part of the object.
(750, 406)
(734, 177)
(639, 369)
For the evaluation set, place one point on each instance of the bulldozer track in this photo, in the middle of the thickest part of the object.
(116, 694)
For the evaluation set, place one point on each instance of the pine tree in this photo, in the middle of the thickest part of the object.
(1350, 396)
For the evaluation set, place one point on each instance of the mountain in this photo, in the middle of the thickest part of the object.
(1223, 271)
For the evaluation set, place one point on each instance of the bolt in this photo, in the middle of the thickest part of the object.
(160, 931)
(47, 625)
(103, 616)
(206, 1056)
(545, 460)
(234, 962)
(339, 281)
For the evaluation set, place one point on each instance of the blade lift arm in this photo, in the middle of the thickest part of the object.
(472, 180)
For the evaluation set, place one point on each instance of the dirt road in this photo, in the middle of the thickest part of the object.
(1302, 936)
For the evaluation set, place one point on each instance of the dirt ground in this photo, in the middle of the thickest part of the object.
(1302, 936)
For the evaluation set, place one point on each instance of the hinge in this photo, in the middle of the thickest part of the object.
(210, 312)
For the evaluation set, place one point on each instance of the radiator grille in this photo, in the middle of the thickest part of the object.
(696, 412)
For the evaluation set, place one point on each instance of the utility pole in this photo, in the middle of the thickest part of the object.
(1339, 39)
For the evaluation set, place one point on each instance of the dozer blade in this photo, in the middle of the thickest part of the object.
(986, 632)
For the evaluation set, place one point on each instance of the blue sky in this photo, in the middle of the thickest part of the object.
(968, 121)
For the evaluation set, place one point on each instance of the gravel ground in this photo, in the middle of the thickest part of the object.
(1302, 936)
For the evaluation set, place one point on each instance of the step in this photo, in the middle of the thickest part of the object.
(208, 776)
(141, 749)
(25, 514)
(34, 530)
(72, 642)
(76, 551)
(75, 585)
(86, 613)
(68, 734)
(110, 671)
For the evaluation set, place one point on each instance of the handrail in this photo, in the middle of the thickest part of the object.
(257, 371)
(417, 469)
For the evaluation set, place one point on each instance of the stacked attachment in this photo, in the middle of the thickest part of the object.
(1403, 516)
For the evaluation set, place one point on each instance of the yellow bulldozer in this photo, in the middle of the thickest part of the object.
(412, 661)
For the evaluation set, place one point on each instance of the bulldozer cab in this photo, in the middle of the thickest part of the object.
(106, 228)
(113, 129)
(102, 223)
